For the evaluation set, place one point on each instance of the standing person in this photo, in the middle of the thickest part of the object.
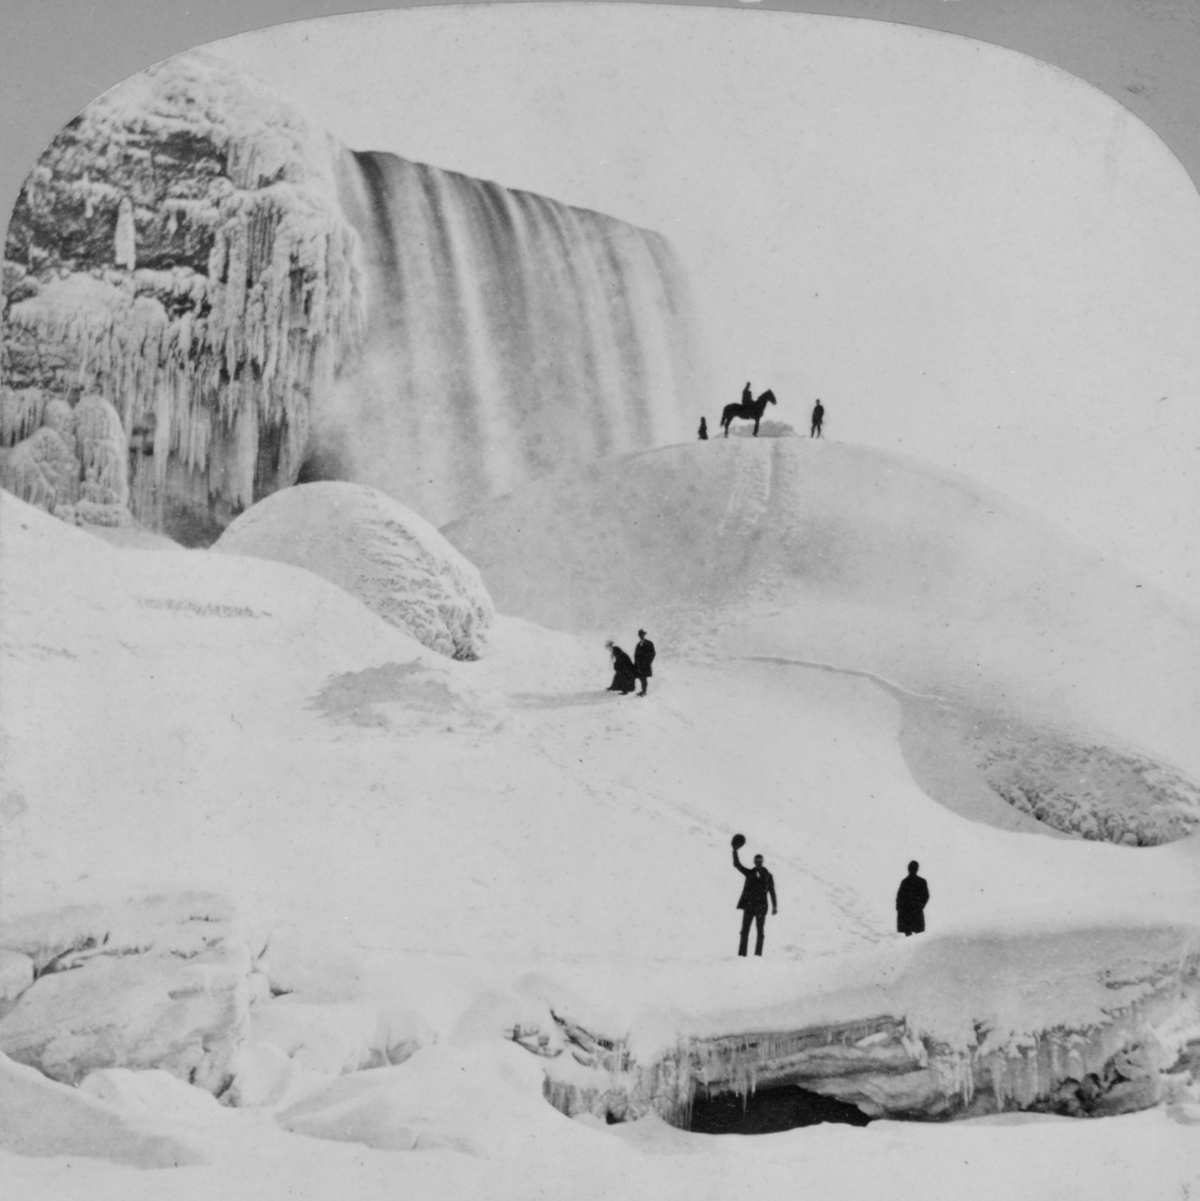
(759, 886)
(818, 416)
(623, 673)
(702, 433)
(911, 898)
(643, 656)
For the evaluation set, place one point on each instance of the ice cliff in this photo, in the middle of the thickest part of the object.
(1079, 1024)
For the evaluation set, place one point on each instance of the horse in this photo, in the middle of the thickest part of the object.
(752, 411)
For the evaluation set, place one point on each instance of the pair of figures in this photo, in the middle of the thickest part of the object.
(759, 887)
(627, 672)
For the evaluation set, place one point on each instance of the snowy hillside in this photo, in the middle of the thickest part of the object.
(437, 874)
(1028, 667)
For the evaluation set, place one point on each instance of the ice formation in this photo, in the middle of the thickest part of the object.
(189, 249)
(219, 304)
(395, 562)
(158, 984)
(1121, 1036)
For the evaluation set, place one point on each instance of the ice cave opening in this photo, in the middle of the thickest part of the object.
(768, 1111)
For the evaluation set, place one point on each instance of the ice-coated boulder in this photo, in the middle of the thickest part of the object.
(375, 548)
(42, 1118)
(156, 984)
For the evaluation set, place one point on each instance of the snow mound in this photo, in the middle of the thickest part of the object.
(375, 548)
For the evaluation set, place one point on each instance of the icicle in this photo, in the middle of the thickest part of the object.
(20, 413)
(125, 236)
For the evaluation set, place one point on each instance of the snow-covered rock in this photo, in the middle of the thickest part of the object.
(43, 1118)
(393, 560)
(160, 985)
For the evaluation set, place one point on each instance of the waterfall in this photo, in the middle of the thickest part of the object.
(507, 333)
(267, 306)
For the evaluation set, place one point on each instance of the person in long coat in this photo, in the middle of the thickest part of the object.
(818, 419)
(911, 898)
(759, 886)
(624, 675)
(643, 657)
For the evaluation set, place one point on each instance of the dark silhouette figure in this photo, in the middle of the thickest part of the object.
(748, 410)
(911, 899)
(818, 416)
(759, 886)
(702, 434)
(624, 676)
(643, 656)
(747, 395)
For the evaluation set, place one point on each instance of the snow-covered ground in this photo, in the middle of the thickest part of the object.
(421, 855)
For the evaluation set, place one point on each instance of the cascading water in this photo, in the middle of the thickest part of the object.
(507, 333)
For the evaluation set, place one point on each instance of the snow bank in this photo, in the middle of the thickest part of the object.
(41, 1118)
(394, 561)
(486, 1102)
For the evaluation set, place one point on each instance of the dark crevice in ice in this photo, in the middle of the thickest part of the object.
(769, 1111)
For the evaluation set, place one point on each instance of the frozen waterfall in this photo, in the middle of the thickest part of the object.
(274, 307)
(507, 333)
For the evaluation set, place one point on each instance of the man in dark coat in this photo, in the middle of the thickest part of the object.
(759, 886)
(911, 899)
(818, 417)
(702, 432)
(643, 656)
(624, 676)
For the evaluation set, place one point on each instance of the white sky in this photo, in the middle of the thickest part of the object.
(968, 255)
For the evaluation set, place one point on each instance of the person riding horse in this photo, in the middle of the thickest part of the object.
(748, 410)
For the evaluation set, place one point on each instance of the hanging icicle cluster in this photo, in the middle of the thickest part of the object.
(193, 270)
